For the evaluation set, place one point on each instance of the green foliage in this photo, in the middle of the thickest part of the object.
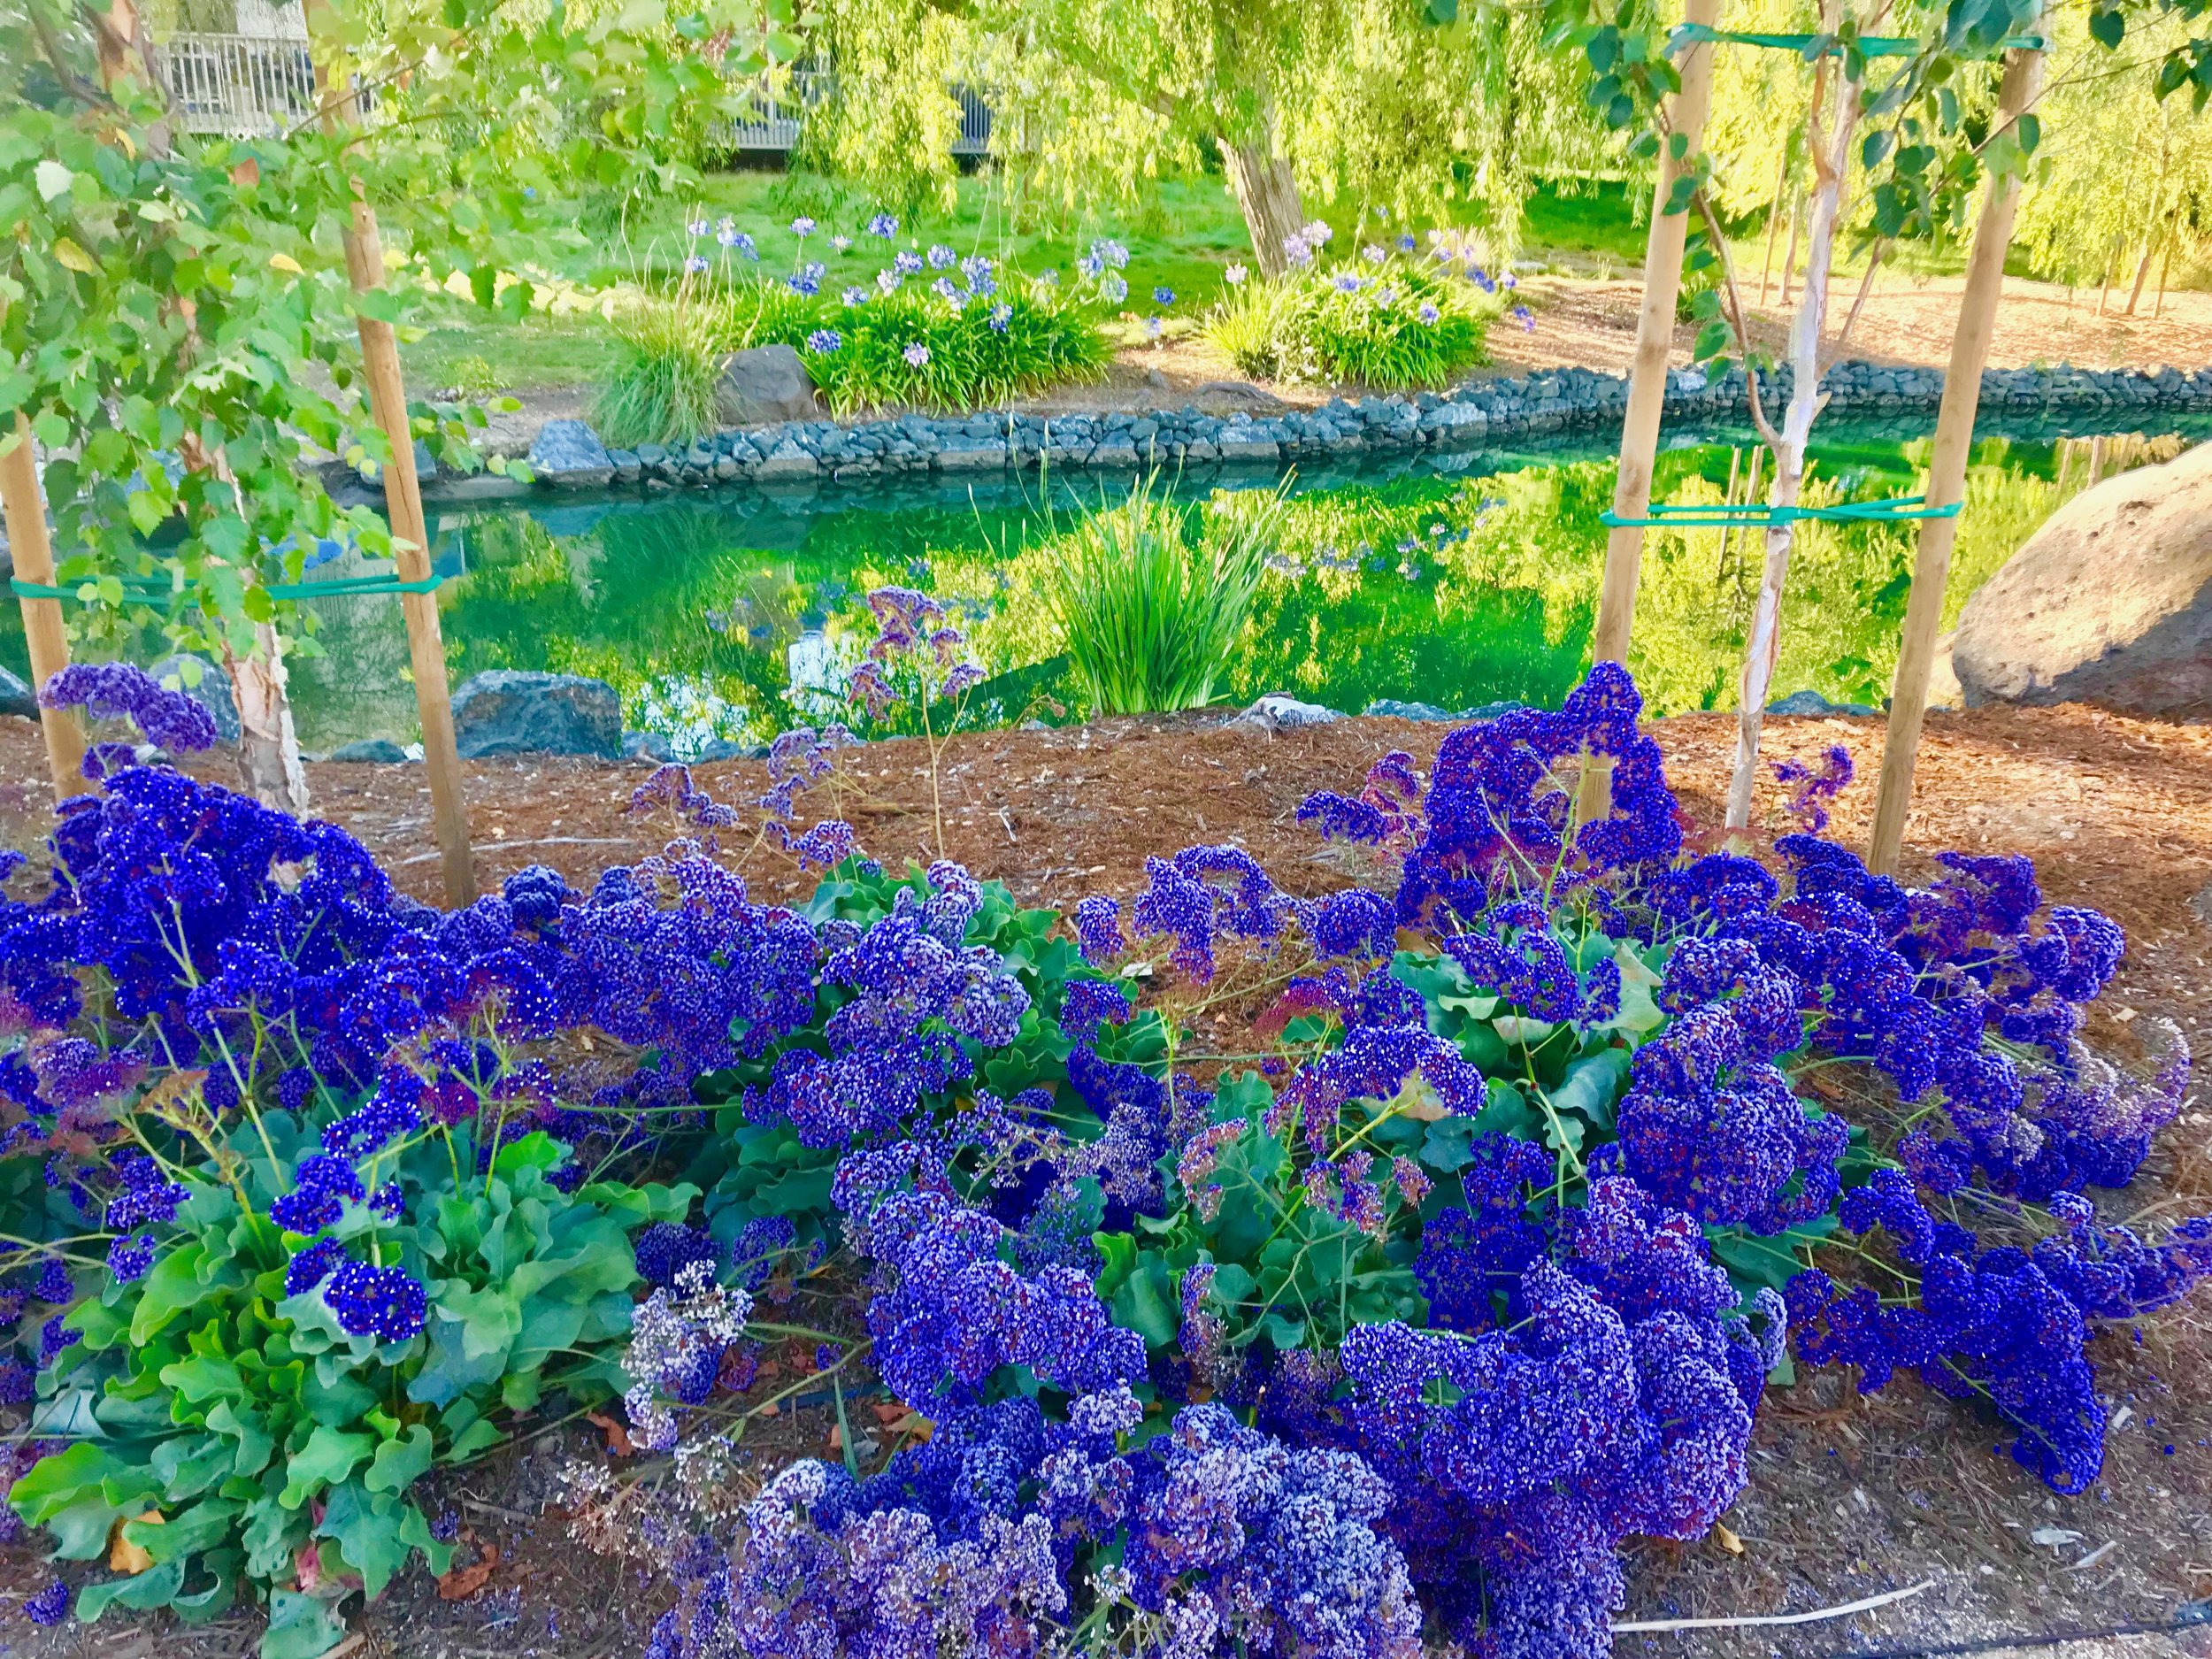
(1038, 340)
(662, 389)
(1400, 328)
(257, 1430)
(168, 298)
(1151, 599)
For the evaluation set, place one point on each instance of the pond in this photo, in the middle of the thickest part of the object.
(735, 615)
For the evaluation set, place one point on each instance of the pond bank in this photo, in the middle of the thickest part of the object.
(566, 454)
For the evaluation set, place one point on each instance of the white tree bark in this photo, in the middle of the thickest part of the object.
(268, 748)
(1830, 153)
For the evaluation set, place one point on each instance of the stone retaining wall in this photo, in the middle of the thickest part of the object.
(568, 455)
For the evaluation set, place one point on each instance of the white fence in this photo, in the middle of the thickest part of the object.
(240, 84)
(247, 85)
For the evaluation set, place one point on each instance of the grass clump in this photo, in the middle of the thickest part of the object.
(1392, 324)
(668, 361)
(1150, 596)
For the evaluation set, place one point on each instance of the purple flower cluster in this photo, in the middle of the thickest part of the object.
(1229, 1541)
(1611, 1394)
(119, 691)
(914, 638)
(1813, 787)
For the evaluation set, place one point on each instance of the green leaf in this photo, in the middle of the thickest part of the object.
(300, 1626)
(368, 1529)
(398, 1462)
(173, 1286)
(328, 1457)
(1146, 1301)
(53, 180)
(77, 1494)
(490, 1318)
(1593, 1085)
(142, 1593)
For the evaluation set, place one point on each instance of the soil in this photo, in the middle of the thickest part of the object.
(1849, 1498)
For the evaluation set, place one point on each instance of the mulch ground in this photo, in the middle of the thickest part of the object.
(1849, 1498)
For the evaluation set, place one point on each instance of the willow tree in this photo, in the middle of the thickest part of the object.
(2111, 122)
(1374, 101)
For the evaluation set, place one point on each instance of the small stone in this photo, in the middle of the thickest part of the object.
(1277, 711)
(370, 751)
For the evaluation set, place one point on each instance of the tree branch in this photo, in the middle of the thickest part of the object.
(1866, 287)
(1739, 319)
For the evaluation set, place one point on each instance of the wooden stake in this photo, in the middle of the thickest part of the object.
(1647, 378)
(42, 629)
(403, 505)
(1946, 480)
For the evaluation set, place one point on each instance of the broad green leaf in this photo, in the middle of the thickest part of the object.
(300, 1626)
(368, 1529)
(397, 1462)
(142, 1593)
(328, 1457)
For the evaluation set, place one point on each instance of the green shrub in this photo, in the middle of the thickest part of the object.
(669, 360)
(1150, 597)
(969, 356)
(258, 1430)
(1394, 325)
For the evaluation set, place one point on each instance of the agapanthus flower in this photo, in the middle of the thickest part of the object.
(803, 228)
(1235, 275)
(883, 224)
(1428, 313)
(916, 354)
(854, 296)
(822, 342)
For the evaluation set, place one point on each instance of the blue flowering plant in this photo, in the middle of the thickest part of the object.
(1394, 322)
(1486, 1237)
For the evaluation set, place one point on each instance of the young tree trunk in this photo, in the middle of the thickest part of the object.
(268, 748)
(1774, 220)
(1267, 193)
(1831, 161)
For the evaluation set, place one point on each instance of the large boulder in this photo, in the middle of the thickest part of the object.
(762, 384)
(569, 456)
(2109, 602)
(502, 712)
(16, 697)
(211, 690)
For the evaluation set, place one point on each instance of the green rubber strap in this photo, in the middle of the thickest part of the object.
(1871, 45)
(148, 590)
(1695, 515)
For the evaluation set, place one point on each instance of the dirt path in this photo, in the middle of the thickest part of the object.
(1849, 1498)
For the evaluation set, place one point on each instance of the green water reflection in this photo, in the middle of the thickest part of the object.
(727, 615)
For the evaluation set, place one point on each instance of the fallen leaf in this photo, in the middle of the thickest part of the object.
(837, 1436)
(888, 1411)
(125, 1556)
(618, 1440)
(1727, 1540)
(768, 1409)
(464, 1582)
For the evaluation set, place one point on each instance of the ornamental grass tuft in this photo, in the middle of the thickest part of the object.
(1151, 595)
(668, 361)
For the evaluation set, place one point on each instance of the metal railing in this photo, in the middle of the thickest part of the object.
(238, 84)
(246, 84)
(779, 114)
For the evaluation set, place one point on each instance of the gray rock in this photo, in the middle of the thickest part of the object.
(2109, 602)
(502, 712)
(1277, 711)
(371, 752)
(646, 746)
(212, 693)
(762, 384)
(16, 697)
(1121, 453)
(569, 456)
(1248, 449)
(1811, 702)
(967, 454)
(786, 461)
